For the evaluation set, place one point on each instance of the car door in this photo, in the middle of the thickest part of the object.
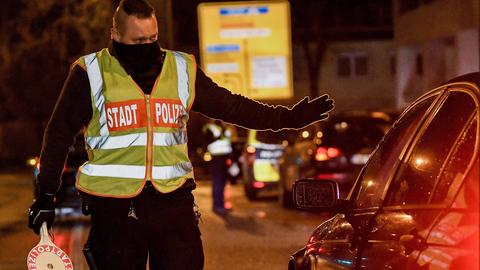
(453, 241)
(335, 244)
(436, 162)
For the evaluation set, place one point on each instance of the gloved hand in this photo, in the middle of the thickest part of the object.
(42, 210)
(308, 111)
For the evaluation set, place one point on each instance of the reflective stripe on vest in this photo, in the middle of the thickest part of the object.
(151, 129)
(222, 144)
(216, 130)
(220, 147)
(137, 139)
(96, 87)
(182, 75)
(136, 172)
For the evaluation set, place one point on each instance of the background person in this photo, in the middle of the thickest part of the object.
(220, 147)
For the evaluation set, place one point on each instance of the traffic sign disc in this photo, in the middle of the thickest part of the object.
(47, 256)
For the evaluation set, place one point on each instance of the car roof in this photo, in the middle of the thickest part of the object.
(470, 77)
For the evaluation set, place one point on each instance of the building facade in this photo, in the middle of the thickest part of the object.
(355, 39)
(435, 40)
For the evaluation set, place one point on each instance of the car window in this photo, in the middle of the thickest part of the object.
(454, 169)
(355, 133)
(415, 181)
(382, 164)
(468, 196)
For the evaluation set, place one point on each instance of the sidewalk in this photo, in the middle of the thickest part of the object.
(16, 195)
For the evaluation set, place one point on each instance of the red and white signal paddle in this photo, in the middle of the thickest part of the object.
(46, 255)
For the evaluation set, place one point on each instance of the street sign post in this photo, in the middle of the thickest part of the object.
(246, 47)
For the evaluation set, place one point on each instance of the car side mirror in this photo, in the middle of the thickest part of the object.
(316, 195)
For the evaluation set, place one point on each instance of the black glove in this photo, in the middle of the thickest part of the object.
(42, 210)
(308, 111)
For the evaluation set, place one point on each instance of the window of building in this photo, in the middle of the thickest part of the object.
(361, 68)
(344, 68)
(352, 65)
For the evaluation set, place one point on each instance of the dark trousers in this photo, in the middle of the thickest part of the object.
(219, 179)
(166, 232)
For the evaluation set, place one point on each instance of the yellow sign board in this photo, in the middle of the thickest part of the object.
(246, 47)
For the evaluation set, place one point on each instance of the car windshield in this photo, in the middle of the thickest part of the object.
(355, 133)
(278, 137)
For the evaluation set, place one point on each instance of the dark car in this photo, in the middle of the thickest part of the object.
(335, 149)
(259, 164)
(415, 204)
(68, 202)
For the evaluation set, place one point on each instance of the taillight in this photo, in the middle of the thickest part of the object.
(258, 184)
(326, 153)
(251, 154)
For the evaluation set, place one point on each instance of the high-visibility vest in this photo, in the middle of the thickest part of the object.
(133, 137)
(222, 144)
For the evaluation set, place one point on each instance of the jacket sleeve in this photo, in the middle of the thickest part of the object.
(72, 112)
(219, 103)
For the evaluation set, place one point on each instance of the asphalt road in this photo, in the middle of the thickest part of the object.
(256, 235)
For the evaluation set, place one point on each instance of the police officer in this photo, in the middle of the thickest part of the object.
(133, 101)
(220, 147)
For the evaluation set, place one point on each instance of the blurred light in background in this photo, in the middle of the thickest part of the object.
(207, 156)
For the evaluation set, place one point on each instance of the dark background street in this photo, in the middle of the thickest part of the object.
(369, 56)
(257, 235)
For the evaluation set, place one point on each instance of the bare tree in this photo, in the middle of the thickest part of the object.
(309, 30)
(41, 40)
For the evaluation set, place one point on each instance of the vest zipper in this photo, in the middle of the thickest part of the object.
(149, 140)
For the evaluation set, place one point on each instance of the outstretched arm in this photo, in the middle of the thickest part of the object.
(219, 103)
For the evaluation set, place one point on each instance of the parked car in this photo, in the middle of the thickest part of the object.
(415, 204)
(260, 161)
(334, 149)
(68, 202)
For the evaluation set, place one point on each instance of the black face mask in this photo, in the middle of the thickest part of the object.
(137, 57)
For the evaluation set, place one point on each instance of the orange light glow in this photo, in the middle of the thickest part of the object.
(251, 149)
(321, 154)
(333, 152)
